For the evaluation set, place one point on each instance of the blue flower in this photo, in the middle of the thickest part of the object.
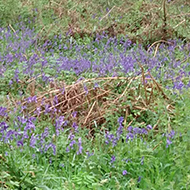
(19, 143)
(75, 126)
(120, 120)
(168, 142)
(149, 127)
(33, 141)
(72, 143)
(61, 165)
(80, 146)
(142, 160)
(139, 179)
(129, 136)
(74, 114)
(51, 145)
(124, 172)
(3, 111)
(112, 159)
(130, 128)
(171, 134)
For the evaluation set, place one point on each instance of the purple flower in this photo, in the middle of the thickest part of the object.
(62, 90)
(67, 149)
(80, 146)
(93, 16)
(32, 99)
(130, 128)
(51, 145)
(89, 154)
(129, 136)
(114, 142)
(33, 156)
(119, 132)
(47, 109)
(72, 143)
(38, 109)
(3, 127)
(149, 127)
(75, 126)
(29, 126)
(137, 130)
(139, 179)
(74, 114)
(96, 85)
(108, 137)
(55, 100)
(71, 136)
(58, 124)
(120, 128)
(112, 159)
(111, 138)
(61, 165)
(144, 131)
(85, 89)
(45, 133)
(171, 134)
(124, 172)
(33, 141)
(127, 160)
(142, 160)
(168, 142)
(19, 143)
(9, 135)
(120, 120)
(3, 112)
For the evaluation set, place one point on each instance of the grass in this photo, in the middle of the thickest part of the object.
(93, 110)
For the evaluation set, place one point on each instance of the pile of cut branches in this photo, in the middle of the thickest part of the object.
(91, 99)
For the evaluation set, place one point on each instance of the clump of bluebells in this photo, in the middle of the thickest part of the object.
(169, 136)
(130, 135)
(72, 139)
(111, 56)
(115, 142)
(134, 132)
(111, 138)
(24, 133)
(3, 112)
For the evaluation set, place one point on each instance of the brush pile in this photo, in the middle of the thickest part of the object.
(90, 100)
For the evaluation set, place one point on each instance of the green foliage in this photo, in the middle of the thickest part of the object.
(10, 11)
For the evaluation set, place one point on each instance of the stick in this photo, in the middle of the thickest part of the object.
(179, 23)
(158, 86)
(157, 145)
(89, 112)
(107, 13)
(13, 30)
(144, 84)
(159, 41)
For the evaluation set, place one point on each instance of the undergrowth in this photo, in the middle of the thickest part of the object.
(142, 21)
